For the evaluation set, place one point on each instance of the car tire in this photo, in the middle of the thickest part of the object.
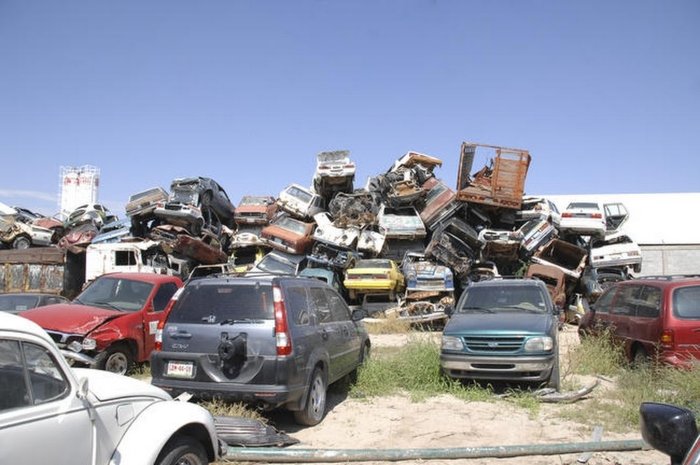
(182, 450)
(21, 242)
(364, 356)
(116, 359)
(554, 380)
(315, 406)
(640, 358)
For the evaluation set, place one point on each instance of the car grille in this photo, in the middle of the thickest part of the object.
(494, 344)
(63, 339)
(430, 283)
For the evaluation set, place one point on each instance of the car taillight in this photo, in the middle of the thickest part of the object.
(596, 215)
(159, 336)
(282, 339)
(566, 215)
(323, 167)
(350, 165)
(667, 338)
(381, 276)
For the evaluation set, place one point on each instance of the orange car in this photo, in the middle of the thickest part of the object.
(289, 235)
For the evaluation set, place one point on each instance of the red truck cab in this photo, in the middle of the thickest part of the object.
(113, 322)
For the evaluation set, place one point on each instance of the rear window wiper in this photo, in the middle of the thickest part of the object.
(231, 321)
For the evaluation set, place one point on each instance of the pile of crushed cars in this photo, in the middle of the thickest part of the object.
(404, 245)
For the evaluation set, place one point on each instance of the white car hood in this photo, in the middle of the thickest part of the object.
(108, 386)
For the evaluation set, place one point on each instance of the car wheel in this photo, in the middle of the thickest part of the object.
(116, 359)
(315, 406)
(640, 358)
(554, 380)
(364, 356)
(182, 450)
(21, 242)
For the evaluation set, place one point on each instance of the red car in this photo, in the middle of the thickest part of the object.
(656, 318)
(255, 209)
(113, 321)
(439, 202)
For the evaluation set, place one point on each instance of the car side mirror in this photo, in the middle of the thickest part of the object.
(358, 314)
(669, 429)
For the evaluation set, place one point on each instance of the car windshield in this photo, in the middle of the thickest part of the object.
(686, 302)
(290, 224)
(121, 294)
(373, 264)
(299, 194)
(587, 205)
(16, 303)
(435, 192)
(277, 265)
(503, 298)
(223, 304)
(186, 197)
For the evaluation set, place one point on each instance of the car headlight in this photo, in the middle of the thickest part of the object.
(75, 346)
(89, 344)
(539, 344)
(452, 343)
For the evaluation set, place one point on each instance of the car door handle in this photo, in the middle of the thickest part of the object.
(181, 335)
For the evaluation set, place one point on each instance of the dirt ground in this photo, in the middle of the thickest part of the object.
(396, 422)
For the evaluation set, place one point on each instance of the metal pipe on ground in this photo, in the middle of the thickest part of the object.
(293, 455)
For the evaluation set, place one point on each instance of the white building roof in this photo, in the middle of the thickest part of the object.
(654, 219)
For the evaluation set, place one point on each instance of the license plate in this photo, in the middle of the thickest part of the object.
(180, 369)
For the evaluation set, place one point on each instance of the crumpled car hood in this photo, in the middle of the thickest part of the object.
(428, 270)
(70, 318)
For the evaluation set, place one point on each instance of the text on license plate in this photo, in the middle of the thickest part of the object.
(180, 369)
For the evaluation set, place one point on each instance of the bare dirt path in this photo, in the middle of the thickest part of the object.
(395, 422)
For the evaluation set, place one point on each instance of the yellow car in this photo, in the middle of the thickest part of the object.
(374, 276)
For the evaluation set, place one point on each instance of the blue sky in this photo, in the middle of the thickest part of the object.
(605, 95)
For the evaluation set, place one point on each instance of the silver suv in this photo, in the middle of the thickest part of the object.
(266, 341)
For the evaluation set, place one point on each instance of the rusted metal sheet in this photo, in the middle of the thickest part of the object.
(569, 258)
(499, 184)
(553, 277)
(42, 269)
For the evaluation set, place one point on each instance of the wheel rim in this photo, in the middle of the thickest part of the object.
(117, 363)
(317, 398)
(188, 459)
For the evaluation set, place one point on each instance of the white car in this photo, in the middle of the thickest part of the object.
(52, 414)
(540, 208)
(617, 249)
(327, 233)
(334, 173)
(584, 219)
(300, 202)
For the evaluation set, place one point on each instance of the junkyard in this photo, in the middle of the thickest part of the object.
(402, 248)
(425, 232)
